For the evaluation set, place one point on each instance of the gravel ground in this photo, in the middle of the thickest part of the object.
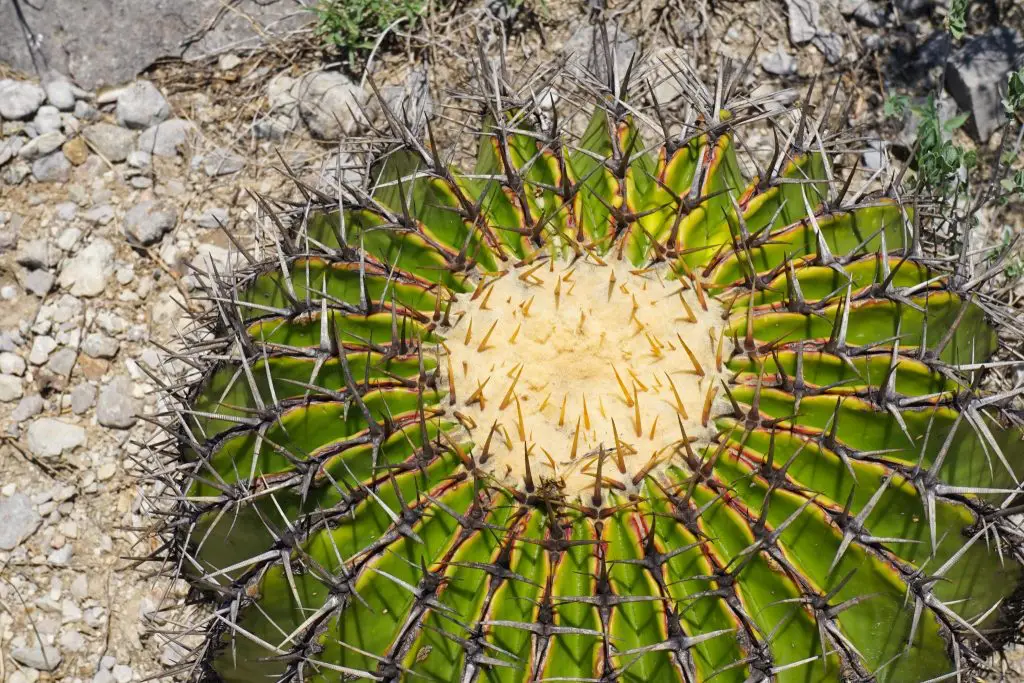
(121, 191)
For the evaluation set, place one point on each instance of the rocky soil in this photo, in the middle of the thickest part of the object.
(110, 198)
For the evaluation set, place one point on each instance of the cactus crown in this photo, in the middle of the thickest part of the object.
(598, 409)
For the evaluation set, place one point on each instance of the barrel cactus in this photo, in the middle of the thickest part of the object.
(599, 408)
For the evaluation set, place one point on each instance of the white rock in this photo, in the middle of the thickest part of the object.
(72, 641)
(38, 282)
(141, 105)
(19, 99)
(53, 168)
(167, 138)
(65, 211)
(228, 61)
(80, 587)
(42, 145)
(12, 364)
(830, 44)
(804, 19)
(10, 388)
(47, 119)
(42, 346)
(123, 673)
(9, 147)
(148, 221)
(70, 124)
(98, 345)
(62, 555)
(330, 104)
(411, 100)
(779, 62)
(106, 471)
(664, 64)
(16, 172)
(46, 658)
(112, 142)
(50, 437)
(82, 397)
(62, 361)
(116, 405)
(281, 92)
(140, 159)
(84, 111)
(86, 273)
(18, 520)
(37, 253)
(60, 93)
(69, 237)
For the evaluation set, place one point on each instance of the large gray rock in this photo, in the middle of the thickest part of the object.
(804, 18)
(98, 345)
(83, 397)
(39, 282)
(112, 142)
(18, 99)
(10, 389)
(87, 272)
(148, 221)
(976, 77)
(47, 120)
(168, 138)
(52, 168)
(779, 62)
(116, 406)
(60, 93)
(107, 42)
(45, 658)
(49, 437)
(41, 145)
(330, 104)
(141, 105)
(18, 519)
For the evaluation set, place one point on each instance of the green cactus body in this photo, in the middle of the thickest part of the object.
(834, 522)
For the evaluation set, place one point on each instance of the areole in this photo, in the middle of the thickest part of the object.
(557, 365)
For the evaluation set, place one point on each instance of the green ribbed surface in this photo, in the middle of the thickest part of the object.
(833, 531)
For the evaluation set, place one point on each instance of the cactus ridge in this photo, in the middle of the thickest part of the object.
(847, 516)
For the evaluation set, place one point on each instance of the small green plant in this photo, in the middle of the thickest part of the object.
(354, 26)
(1014, 266)
(1014, 101)
(896, 106)
(956, 20)
(939, 160)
